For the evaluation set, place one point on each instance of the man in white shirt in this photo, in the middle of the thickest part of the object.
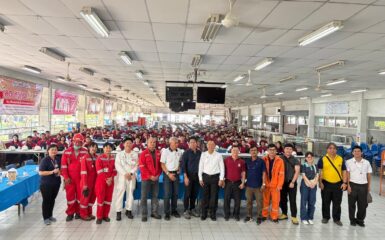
(359, 179)
(169, 161)
(126, 164)
(211, 176)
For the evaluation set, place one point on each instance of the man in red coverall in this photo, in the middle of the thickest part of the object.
(87, 183)
(71, 173)
(104, 188)
(150, 170)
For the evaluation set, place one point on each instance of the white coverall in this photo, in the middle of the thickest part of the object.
(125, 163)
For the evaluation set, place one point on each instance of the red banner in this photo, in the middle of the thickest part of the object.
(19, 97)
(108, 106)
(64, 103)
(94, 105)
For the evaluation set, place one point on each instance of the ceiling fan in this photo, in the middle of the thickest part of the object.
(249, 83)
(319, 87)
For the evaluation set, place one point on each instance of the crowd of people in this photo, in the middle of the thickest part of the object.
(269, 178)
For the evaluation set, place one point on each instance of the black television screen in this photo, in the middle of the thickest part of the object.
(181, 94)
(214, 95)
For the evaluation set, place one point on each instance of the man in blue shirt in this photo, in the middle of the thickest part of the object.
(255, 177)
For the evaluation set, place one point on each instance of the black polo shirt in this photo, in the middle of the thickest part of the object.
(47, 164)
(190, 162)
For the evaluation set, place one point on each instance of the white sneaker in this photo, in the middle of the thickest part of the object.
(305, 222)
(311, 222)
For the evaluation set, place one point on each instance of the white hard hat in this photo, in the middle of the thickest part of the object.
(24, 148)
(37, 148)
(12, 148)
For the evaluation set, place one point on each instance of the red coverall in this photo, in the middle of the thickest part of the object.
(88, 179)
(70, 169)
(105, 168)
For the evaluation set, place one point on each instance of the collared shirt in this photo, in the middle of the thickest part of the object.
(171, 158)
(153, 156)
(234, 169)
(211, 164)
(290, 164)
(329, 174)
(126, 162)
(254, 172)
(48, 164)
(190, 161)
(310, 171)
(358, 170)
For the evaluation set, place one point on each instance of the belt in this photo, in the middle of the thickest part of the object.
(229, 181)
(173, 171)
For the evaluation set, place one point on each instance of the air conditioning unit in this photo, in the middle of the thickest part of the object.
(278, 111)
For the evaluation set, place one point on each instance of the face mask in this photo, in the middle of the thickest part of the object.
(77, 147)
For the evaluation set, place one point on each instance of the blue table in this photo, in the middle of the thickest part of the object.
(21, 189)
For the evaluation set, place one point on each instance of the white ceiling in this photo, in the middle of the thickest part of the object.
(163, 36)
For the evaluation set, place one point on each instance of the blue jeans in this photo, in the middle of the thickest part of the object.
(170, 191)
(308, 198)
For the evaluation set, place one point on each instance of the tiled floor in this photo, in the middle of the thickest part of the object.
(30, 225)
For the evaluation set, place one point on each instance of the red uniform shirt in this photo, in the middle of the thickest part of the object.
(147, 166)
(70, 163)
(105, 167)
(234, 169)
(88, 170)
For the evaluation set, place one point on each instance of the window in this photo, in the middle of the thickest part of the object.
(62, 122)
(377, 123)
(329, 122)
(23, 125)
(302, 120)
(352, 122)
(319, 121)
(341, 122)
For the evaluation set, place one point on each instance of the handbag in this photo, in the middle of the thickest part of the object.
(370, 199)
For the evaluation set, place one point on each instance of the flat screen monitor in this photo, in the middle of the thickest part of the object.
(181, 94)
(214, 95)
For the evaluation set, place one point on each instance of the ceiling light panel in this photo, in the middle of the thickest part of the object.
(52, 53)
(321, 32)
(359, 91)
(32, 69)
(196, 61)
(139, 74)
(335, 82)
(288, 78)
(239, 78)
(94, 21)
(87, 71)
(301, 89)
(266, 62)
(125, 58)
(210, 30)
(330, 65)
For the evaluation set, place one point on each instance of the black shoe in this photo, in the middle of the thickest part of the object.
(227, 218)
(275, 220)
(129, 214)
(237, 218)
(144, 219)
(156, 216)
(107, 219)
(247, 219)
(361, 224)
(167, 217)
(118, 216)
(175, 214)
(77, 216)
(259, 221)
(99, 221)
(203, 217)
(264, 219)
(213, 217)
(324, 220)
(353, 223)
(69, 218)
(339, 223)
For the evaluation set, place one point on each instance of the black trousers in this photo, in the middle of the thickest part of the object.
(358, 197)
(210, 194)
(292, 193)
(331, 193)
(170, 192)
(49, 193)
(232, 190)
(191, 192)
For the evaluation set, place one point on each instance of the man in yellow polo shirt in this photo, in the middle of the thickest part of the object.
(332, 181)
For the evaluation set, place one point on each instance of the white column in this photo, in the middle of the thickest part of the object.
(262, 123)
(249, 118)
(280, 128)
(49, 108)
(310, 121)
(362, 119)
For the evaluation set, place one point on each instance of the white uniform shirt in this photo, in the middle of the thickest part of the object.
(358, 170)
(211, 164)
(171, 158)
(126, 162)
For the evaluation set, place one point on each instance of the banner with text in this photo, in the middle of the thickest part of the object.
(64, 103)
(108, 104)
(94, 105)
(18, 97)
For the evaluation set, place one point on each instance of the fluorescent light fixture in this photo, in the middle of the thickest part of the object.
(321, 32)
(151, 88)
(301, 89)
(197, 60)
(146, 83)
(359, 91)
(266, 62)
(382, 72)
(139, 74)
(224, 86)
(87, 71)
(278, 93)
(84, 86)
(326, 95)
(263, 96)
(52, 53)
(106, 80)
(118, 86)
(96, 89)
(212, 25)
(31, 69)
(303, 98)
(335, 82)
(288, 78)
(239, 78)
(2, 28)
(60, 78)
(330, 65)
(125, 58)
(94, 21)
